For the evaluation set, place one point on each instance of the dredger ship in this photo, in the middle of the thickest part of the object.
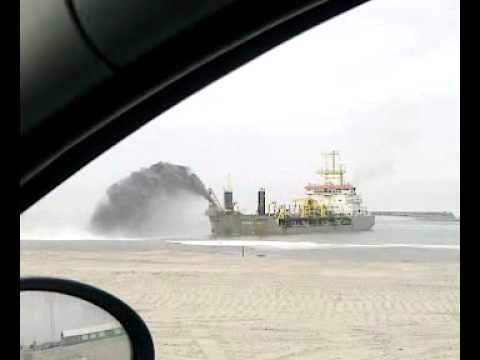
(329, 206)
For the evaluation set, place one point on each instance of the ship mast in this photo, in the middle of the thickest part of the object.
(333, 174)
(229, 183)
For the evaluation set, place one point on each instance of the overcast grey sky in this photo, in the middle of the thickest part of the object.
(379, 83)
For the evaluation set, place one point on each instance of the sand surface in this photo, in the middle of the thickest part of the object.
(222, 306)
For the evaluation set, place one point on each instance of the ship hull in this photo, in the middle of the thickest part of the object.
(255, 225)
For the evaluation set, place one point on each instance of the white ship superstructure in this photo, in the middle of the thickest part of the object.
(340, 198)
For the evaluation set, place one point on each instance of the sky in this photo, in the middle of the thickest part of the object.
(380, 84)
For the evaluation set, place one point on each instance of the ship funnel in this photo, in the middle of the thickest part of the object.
(228, 200)
(228, 196)
(261, 202)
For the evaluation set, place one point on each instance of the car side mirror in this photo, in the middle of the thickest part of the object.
(64, 319)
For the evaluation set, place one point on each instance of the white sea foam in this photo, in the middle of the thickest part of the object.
(294, 245)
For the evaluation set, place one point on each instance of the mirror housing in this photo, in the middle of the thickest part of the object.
(141, 342)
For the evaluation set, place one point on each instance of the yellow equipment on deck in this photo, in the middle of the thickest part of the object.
(303, 208)
(311, 207)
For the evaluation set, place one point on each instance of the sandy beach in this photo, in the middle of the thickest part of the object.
(202, 305)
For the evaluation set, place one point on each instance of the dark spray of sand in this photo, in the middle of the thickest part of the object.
(150, 202)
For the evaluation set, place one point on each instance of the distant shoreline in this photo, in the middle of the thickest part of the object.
(424, 215)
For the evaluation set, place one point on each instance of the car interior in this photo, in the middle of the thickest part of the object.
(89, 79)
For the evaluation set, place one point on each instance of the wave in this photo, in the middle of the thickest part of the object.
(293, 245)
